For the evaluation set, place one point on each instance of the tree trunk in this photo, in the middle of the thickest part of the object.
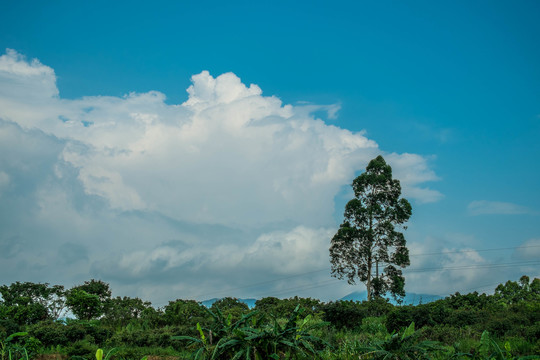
(369, 279)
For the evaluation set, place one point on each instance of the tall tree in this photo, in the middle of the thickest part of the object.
(367, 247)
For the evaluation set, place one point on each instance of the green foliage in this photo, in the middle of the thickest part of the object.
(24, 313)
(7, 325)
(230, 306)
(120, 311)
(84, 305)
(49, 333)
(12, 349)
(185, 312)
(135, 353)
(267, 305)
(76, 330)
(89, 300)
(400, 346)
(82, 348)
(368, 236)
(344, 314)
(99, 354)
(30, 302)
(515, 292)
(138, 336)
(489, 349)
(282, 308)
(252, 337)
(468, 301)
(374, 327)
(402, 316)
(469, 326)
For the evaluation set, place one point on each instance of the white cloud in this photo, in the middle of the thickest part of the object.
(4, 180)
(230, 182)
(413, 170)
(483, 207)
(296, 251)
(215, 158)
(448, 263)
(529, 250)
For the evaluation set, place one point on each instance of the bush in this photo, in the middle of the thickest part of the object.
(49, 333)
(77, 330)
(185, 313)
(377, 307)
(447, 334)
(8, 327)
(344, 313)
(84, 348)
(129, 352)
(399, 318)
(282, 308)
(145, 338)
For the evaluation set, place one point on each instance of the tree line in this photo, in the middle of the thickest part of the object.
(511, 314)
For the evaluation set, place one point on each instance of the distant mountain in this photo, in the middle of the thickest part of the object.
(249, 302)
(409, 299)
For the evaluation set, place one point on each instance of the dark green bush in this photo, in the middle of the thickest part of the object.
(402, 316)
(189, 312)
(447, 334)
(344, 313)
(282, 308)
(145, 338)
(8, 327)
(399, 318)
(377, 307)
(49, 333)
(84, 348)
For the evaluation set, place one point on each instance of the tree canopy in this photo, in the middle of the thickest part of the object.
(367, 239)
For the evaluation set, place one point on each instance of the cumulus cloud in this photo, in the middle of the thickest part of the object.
(445, 264)
(529, 250)
(413, 170)
(483, 207)
(4, 181)
(229, 184)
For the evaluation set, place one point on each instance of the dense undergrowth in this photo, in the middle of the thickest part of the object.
(504, 325)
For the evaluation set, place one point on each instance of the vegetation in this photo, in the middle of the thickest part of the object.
(505, 325)
(368, 238)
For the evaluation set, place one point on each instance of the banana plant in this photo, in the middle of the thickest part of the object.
(99, 354)
(253, 337)
(404, 346)
(11, 351)
(210, 346)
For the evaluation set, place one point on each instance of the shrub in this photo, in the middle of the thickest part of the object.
(144, 338)
(49, 333)
(84, 348)
(77, 330)
(344, 313)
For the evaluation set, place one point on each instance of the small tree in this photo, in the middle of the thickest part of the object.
(84, 305)
(367, 239)
(32, 302)
(89, 300)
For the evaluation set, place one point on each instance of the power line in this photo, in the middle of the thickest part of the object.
(410, 270)
(303, 287)
(264, 282)
(472, 250)
(480, 287)
(478, 266)
(331, 282)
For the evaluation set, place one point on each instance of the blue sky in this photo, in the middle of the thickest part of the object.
(448, 92)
